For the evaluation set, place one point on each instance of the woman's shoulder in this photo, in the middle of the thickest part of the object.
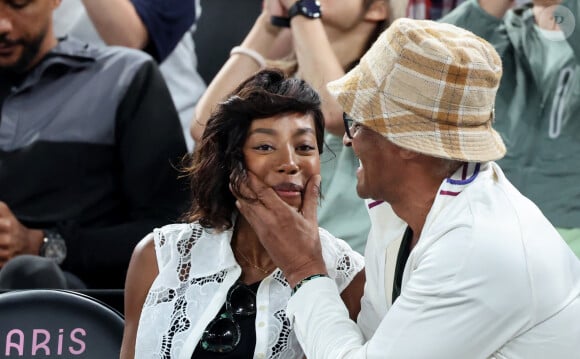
(178, 229)
(342, 262)
(177, 232)
(328, 239)
(332, 245)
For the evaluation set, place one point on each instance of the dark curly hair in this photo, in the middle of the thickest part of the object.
(219, 159)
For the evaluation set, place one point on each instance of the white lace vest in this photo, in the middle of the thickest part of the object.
(186, 295)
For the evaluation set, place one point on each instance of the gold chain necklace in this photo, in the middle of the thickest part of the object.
(247, 260)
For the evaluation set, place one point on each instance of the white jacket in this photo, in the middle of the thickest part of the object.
(196, 270)
(489, 278)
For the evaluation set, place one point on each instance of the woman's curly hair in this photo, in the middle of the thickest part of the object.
(219, 159)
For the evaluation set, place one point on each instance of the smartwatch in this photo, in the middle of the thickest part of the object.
(53, 246)
(308, 8)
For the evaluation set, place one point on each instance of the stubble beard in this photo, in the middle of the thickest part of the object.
(28, 55)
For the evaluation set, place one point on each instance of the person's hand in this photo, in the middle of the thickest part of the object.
(15, 238)
(275, 8)
(497, 8)
(289, 236)
(287, 4)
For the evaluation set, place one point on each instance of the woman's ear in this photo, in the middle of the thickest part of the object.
(378, 11)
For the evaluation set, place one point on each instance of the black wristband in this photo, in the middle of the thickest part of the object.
(307, 279)
(280, 21)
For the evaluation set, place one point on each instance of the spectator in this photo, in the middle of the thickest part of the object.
(323, 48)
(208, 288)
(479, 271)
(162, 28)
(538, 103)
(87, 140)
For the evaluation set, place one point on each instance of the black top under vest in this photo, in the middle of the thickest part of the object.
(247, 344)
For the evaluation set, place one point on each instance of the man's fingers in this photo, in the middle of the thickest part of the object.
(4, 209)
(311, 196)
(265, 194)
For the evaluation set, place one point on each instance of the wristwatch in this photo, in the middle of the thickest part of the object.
(53, 246)
(308, 8)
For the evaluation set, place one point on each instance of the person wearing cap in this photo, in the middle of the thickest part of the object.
(459, 264)
(538, 102)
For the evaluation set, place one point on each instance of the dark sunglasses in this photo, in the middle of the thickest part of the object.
(347, 124)
(222, 335)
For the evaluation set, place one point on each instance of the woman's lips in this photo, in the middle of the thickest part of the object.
(288, 190)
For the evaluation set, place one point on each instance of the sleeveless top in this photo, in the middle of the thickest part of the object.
(196, 269)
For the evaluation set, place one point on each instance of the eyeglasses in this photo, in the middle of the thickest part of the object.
(222, 335)
(347, 124)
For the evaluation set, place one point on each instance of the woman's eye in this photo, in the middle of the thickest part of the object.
(19, 4)
(263, 148)
(305, 148)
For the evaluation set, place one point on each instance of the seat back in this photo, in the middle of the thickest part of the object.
(40, 323)
(223, 24)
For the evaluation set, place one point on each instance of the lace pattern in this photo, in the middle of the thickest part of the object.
(187, 294)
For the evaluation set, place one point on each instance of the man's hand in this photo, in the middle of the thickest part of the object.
(15, 238)
(289, 236)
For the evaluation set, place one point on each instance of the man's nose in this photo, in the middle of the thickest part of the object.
(346, 140)
(5, 24)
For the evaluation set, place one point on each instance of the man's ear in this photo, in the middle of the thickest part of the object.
(408, 154)
(378, 11)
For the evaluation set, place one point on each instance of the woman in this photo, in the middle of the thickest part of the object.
(320, 50)
(208, 289)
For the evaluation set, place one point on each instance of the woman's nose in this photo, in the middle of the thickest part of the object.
(288, 162)
(289, 168)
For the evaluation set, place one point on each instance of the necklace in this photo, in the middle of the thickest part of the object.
(255, 266)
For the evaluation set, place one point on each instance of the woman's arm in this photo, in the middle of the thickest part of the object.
(318, 65)
(352, 294)
(324, 52)
(140, 275)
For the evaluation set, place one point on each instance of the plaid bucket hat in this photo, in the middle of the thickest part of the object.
(428, 87)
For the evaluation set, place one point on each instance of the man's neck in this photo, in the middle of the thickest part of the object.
(418, 195)
(415, 216)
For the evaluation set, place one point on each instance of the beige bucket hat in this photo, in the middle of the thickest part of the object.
(428, 87)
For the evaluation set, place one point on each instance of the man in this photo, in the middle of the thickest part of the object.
(459, 264)
(162, 28)
(88, 142)
(538, 102)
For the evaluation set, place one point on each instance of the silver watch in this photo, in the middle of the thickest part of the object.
(53, 247)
